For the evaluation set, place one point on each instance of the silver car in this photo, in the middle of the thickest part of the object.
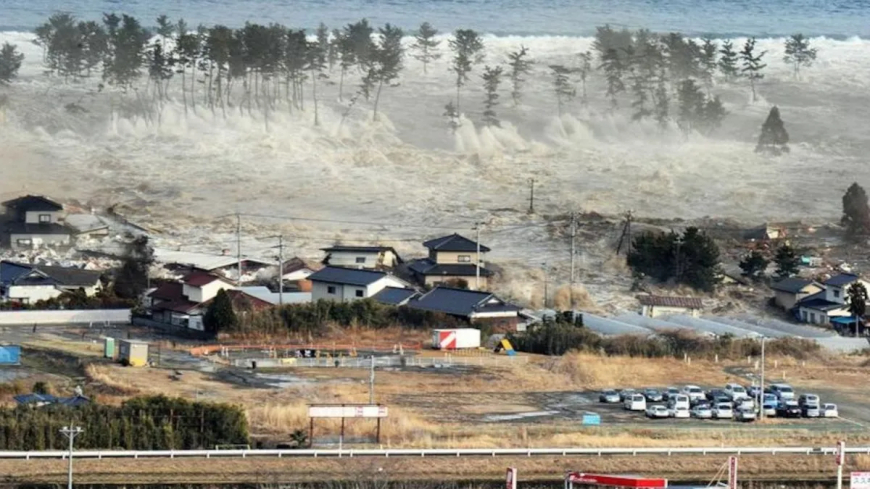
(702, 411)
(609, 396)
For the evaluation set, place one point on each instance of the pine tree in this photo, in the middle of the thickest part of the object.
(562, 85)
(691, 104)
(641, 96)
(613, 67)
(728, 61)
(132, 278)
(584, 70)
(713, 114)
(774, 137)
(491, 80)
(127, 40)
(856, 213)
(752, 65)
(10, 62)
(520, 66)
(787, 262)
(708, 62)
(754, 264)
(315, 62)
(467, 47)
(662, 108)
(388, 58)
(220, 316)
(857, 294)
(425, 45)
(798, 53)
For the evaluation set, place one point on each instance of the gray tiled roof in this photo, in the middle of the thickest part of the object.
(428, 267)
(394, 296)
(349, 276)
(459, 302)
(454, 242)
(841, 279)
(66, 276)
(669, 301)
(791, 285)
(33, 203)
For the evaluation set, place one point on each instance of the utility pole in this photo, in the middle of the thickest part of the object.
(761, 388)
(531, 196)
(546, 286)
(628, 217)
(372, 382)
(239, 246)
(280, 270)
(573, 254)
(71, 432)
(477, 260)
(677, 242)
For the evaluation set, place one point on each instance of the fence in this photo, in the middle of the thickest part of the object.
(384, 361)
(438, 452)
(11, 318)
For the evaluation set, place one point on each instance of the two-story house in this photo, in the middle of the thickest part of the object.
(29, 284)
(453, 260)
(831, 302)
(349, 284)
(363, 257)
(34, 220)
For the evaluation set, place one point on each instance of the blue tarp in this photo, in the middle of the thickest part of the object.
(10, 355)
(850, 320)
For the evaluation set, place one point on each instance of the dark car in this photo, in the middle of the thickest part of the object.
(652, 395)
(788, 409)
(753, 391)
(669, 393)
(712, 394)
(609, 396)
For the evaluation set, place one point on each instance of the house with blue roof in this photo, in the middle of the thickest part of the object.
(474, 306)
(452, 260)
(831, 303)
(29, 284)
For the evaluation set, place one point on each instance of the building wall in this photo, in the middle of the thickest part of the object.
(453, 257)
(90, 291)
(206, 292)
(841, 294)
(348, 293)
(136, 354)
(348, 259)
(31, 294)
(38, 239)
(32, 217)
(434, 280)
(813, 316)
(659, 311)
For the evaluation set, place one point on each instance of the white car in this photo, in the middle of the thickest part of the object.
(723, 411)
(702, 411)
(635, 402)
(694, 393)
(735, 392)
(680, 412)
(769, 409)
(744, 403)
(783, 392)
(744, 414)
(657, 412)
(830, 411)
(680, 400)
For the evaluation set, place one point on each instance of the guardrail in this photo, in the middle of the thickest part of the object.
(437, 452)
(382, 361)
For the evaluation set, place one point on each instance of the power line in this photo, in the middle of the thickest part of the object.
(344, 221)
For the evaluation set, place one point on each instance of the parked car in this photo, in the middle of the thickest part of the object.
(829, 410)
(636, 402)
(712, 394)
(702, 411)
(723, 411)
(744, 414)
(735, 391)
(679, 400)
(753, 391)
(788, 409)
(744, 402)
(811, 411)
(626, 393)
(769, 409)
(669, 393)
(782, 391)
(694, 392)
(721, 400)
(680, 412)
(809, 399)
(657, 411)
(609, 396)
(652, 395)
(768, 397)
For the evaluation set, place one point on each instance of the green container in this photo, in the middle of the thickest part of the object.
(109, 348)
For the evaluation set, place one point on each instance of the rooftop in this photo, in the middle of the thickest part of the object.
(667, 301)
(363, 249)
(454, 242)
(792, 285)
(428, 267)
(842, 279)
(33, 203)
(66, 276)
(349, 276)
(203, 261)
(394, 296)
(201, 279)
(460, 302)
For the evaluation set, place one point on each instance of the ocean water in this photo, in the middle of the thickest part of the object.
(719, 18)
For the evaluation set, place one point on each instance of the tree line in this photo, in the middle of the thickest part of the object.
(272, 67)
(144, 423)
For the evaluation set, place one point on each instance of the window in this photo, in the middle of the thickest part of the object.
(836, 293)
(330, 289)
(360, 292)
(812, 317)
(804, 315)
(43, 218)
(360, 259)
(463, 258)
(24, 242)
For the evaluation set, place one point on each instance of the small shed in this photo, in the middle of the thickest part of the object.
(657, 305)
(133, 352)
(109, 348)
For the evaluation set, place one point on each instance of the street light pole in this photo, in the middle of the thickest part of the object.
(761, 389)
(71, 432)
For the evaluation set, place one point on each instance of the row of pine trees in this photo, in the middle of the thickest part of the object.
(272, 67)
(148, 423)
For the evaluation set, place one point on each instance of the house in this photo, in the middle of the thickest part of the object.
(349, 284)
(265, 294)
(89, 225)
(365, 257)
(766, 232)
(792, 290)
(476, 307)
(225, 265)
(29, 284)
(837, 287)
(295, 273)
(184, 303)
(452, 259)
(395, 296)
(35, 220)
(817, 309)
(657, 305)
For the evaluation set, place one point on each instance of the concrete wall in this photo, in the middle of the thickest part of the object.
(64, 317)
(37, 240)
(31, 294)
(32, 217)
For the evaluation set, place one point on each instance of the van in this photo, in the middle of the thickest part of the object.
(735, 392)
(679, 401)
(635, 402)
(809, 400)
(783, 392)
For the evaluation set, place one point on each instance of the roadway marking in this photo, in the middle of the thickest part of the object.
(853, 422)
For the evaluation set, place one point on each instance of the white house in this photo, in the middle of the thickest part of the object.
(29, 284)
(831, 302)
(182, 304)
(34, 220)
(837, 287)
(656, 305)
(346, 284)
(364, 257)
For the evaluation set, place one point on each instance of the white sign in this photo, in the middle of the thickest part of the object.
(859, 480)
(732, 472)
(511, 478)
(841, 453)
(347, 411)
